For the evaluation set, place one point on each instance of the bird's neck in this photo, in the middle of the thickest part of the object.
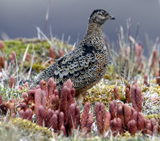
(93, 30)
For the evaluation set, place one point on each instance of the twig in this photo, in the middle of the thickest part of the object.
(31, 65)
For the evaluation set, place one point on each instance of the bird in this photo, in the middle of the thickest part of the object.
(87, 63)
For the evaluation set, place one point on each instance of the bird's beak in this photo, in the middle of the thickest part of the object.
(111, 17)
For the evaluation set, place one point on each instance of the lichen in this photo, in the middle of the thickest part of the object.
(30, 127)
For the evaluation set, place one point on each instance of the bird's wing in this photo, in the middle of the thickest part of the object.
(80, 66)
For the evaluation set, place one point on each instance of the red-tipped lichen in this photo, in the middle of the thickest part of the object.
(51, 53)
(1, 99)
(159, 66)
(64, 102)
(55, 123)
(1, 45)
(139, 99)
(89, 123)
(155, 130)
(158, 74)
(134, 114)
(116, 126)
(154, 59)
(61, 53)
(84, 116)
(28, 57)
(31, 96)
(157, 78)
(153, 123)
(116, 93)
(29, 114)
(51, 86)
(147, 127)
(127, 114)
(138, 52)
(54, 102)
(12, 57)
(25, 97)
(21, 114)
(159, 125)
(23, 106)
(132, 127)
(140, 121)
(38, 100)
(11, 106)
(72, 116)
(112, 109)
(107, 120)
(63, 129)
(40, 116)
(136, 98)
(2, 61)
(48, 119)
(61, 120)
(146, 80)
(120, 112)
(86, 119)
(44, 87)
(128, 95)
(12, 82)
(100, 115)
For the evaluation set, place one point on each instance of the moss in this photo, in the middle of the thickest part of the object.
(100, 93)
(30, 127)
(20, 45)
(18, 129)
(9, 93)
(156, 116)
(36, 66)
(103, 93)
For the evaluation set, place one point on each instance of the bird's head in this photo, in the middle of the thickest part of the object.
(99, 16)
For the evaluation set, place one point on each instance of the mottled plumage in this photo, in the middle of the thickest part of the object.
(87, 63)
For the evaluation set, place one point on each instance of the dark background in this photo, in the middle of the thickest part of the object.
(18, 18)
